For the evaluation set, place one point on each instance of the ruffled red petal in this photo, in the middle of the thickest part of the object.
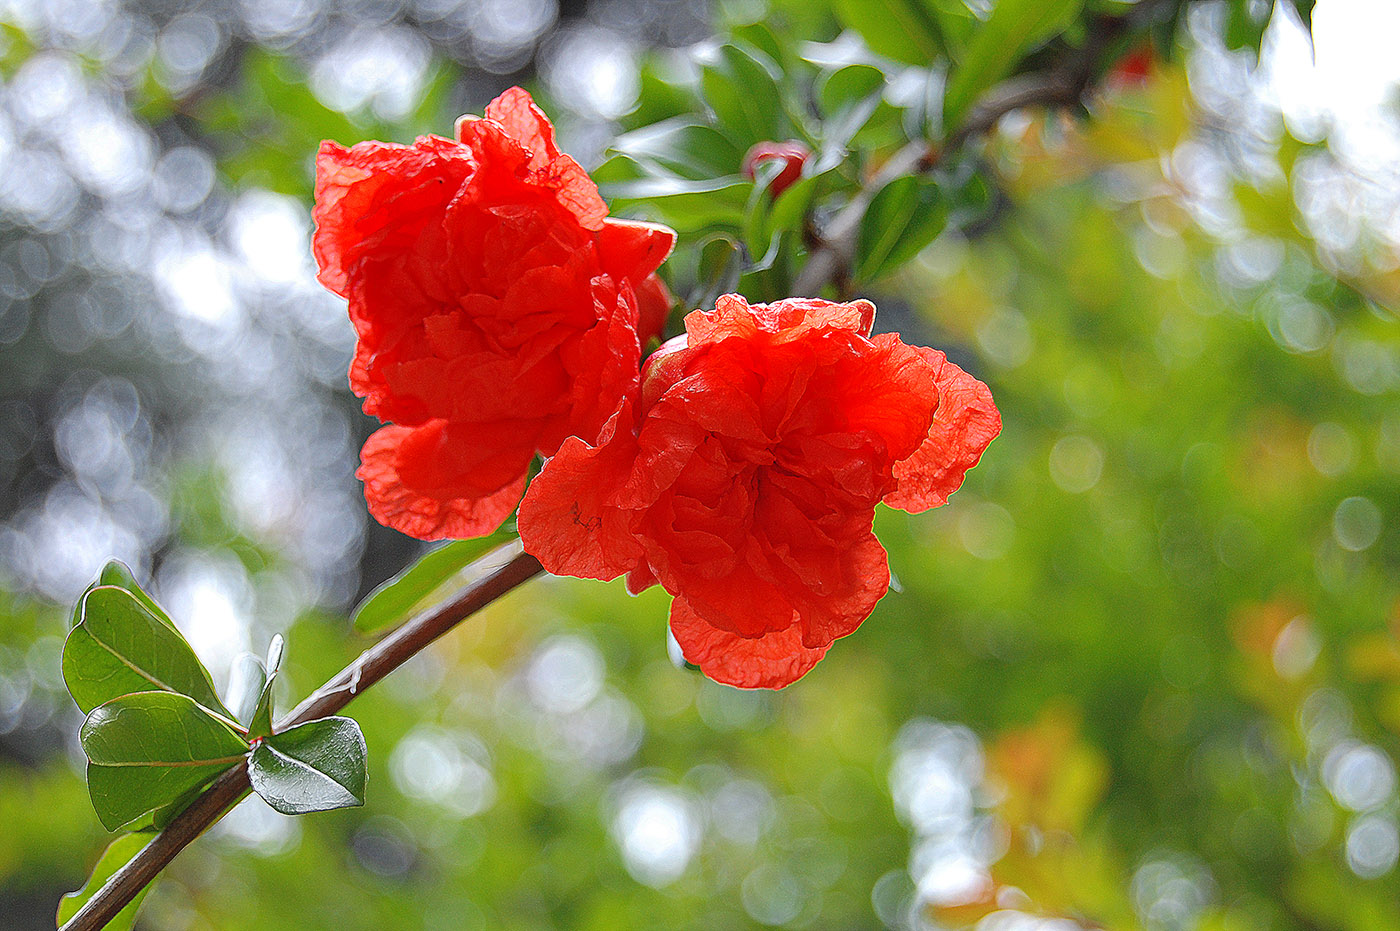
(517, 136)
(570, 520)
(965, 422)
(771, 661)
(633, 249)
(789, 320)
(434, 512)
(377, 196)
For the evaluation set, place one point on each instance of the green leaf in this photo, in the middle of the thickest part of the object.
(741, 86)
(848, 87)
(1244, 27)
(1013, 28)
(721, 262)
(117, 574)
(260, 722)
(686, 206)
(116, 855)
(682, 147)
(246, 680)
(120, 646)
(905, 216)
(250, 688)
(148, 749)
(316, 766)
(760, 199)
(905, 30)
(790, 209)
(396, 600)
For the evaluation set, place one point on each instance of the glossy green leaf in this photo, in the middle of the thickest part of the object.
(396, 600)
(120, 647)
(683, 147)
(316, 766)
(247, 677)
(685, 205)
(905, 30)
(903, 218)
(116, 573)
(721, 262)
(116, 855)
(1013, 28)
(260, 722)
(148, 749)
(741, 86)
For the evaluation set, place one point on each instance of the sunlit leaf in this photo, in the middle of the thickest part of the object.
(316, 766)
(396, 600)
(246, 679)
(685, 205)
(741, 86)
(117, 574)
(260, 722)
(120, 647)
(689, 149)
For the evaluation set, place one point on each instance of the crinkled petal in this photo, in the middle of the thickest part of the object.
(965, 422)
(632, 248)
(771, 661)
(834, 580)
(513, 124)
(790, 320)
(569, 520)
(526, 123)
(375, 197)
(432, 514)
(602, 364)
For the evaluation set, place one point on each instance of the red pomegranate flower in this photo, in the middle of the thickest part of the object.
(745, 475)
(495, 304)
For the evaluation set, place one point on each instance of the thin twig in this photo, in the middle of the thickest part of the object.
(501, 571)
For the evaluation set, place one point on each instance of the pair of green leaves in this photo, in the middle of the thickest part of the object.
(156, 728)
(157, 731)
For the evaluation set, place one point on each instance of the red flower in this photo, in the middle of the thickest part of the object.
(744, 478)
(495, 304)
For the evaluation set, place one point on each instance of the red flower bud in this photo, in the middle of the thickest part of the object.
(745, 475)
(792, 154)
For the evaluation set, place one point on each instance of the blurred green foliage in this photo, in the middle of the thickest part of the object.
(1157, 627)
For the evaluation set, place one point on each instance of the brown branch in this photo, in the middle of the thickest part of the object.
(500, 572)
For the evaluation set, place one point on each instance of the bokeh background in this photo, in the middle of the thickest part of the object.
(1141, 672)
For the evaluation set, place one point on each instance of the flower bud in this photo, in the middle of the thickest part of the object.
(792, 154)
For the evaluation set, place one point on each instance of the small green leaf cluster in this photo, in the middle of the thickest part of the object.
(853, 108)
(157, 731)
